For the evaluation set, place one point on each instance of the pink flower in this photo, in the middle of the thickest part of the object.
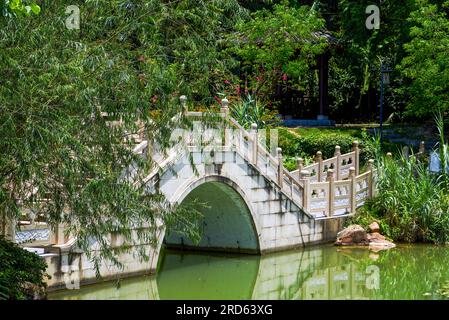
(154, 99)
(237, 89)
(227, 82)
(284, 77)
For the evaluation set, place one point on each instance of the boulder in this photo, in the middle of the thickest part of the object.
(352, 235)
(355, 235)
(375, 237)
(374, 227)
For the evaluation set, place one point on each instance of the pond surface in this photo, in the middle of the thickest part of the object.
(324, 272)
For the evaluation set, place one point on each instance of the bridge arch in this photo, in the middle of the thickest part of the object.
(229, 224)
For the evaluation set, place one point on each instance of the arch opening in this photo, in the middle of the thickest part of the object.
(227, 224)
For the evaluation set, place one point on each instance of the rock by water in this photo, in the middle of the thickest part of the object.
(355, 235)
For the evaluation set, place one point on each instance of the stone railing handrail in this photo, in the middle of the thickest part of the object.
(340, 164)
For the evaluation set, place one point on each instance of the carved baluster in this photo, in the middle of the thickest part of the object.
(57, 235)
(331, 197)
(352, 179)
(355, 148)
(422, 147)
(8, 229)
(255, 138)
(371, 178)
(337, 154)
(183, 100)
(319, 160)
(280, 167)
(300, 166)
(225, 111)
(305, 179)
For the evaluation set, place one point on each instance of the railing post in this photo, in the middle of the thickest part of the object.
(225, 110)
(255, 143)
(183, 100)
(305, 179)
(406, 152)
(57, 235)
(422, 147)
(337, 154)
(352, 180)
(7, 229)
(371, 178)
(299, 166)
(280, 167)
(319, 160)
(422, 150)
(355, 148)
(330, 179)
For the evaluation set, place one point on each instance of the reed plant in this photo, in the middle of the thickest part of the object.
(412, 203)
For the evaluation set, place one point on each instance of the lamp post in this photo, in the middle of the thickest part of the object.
(384, 80)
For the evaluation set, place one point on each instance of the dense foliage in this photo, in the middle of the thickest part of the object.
(305, 142)
(248, 111)
(426, 64)
(60, 156)
(22, 273)
(412, 203)
(279, 45)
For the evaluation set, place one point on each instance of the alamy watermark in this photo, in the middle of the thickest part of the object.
(70, 271)
(373, 20)
(72, 22)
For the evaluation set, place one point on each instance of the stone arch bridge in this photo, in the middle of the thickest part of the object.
(255, 204)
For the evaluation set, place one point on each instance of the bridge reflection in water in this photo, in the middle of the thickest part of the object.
(315, 273)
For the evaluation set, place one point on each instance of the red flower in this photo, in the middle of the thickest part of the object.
(284, 77)
(218, 100)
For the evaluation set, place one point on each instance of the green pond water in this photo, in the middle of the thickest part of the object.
(324, 272)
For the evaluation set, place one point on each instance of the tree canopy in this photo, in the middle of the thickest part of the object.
(60, 156)
(426, 64)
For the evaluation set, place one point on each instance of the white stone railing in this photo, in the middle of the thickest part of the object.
(339, 164)
(324, 189)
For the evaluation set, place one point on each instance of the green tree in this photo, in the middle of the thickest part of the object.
(426, 64)
(132, 60)
(279, 43)
(22, 273)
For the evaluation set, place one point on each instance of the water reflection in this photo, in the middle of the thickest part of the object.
(412, 272)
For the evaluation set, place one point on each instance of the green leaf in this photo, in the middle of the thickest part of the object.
(35, 8)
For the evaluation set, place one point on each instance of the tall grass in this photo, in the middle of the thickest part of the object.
(412, 204)
(411, 201)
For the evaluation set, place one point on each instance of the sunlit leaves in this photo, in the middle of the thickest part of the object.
(11, 8)
(426, 64)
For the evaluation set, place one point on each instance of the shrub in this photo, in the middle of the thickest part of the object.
(250, 110)
(22, 273)
(305, 143)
